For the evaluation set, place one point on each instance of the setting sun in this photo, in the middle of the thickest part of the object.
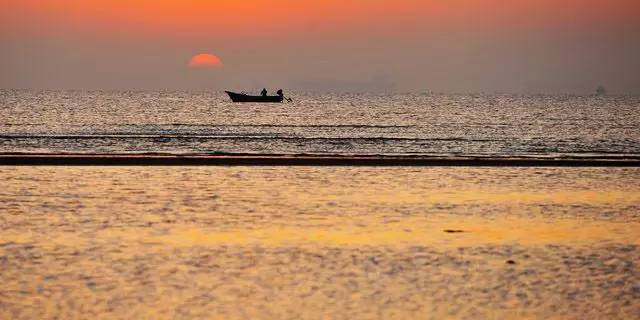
(205, 60)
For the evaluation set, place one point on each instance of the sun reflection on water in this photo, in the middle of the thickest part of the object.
(244, 242)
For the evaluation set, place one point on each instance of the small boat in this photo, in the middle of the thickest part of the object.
(243, 97)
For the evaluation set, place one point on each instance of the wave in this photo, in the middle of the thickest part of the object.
(358, 126)
(236, 137)
(286, 125)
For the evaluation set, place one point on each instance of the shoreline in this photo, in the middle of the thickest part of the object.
(299, 160)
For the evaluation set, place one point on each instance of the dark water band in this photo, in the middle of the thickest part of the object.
(286, 160)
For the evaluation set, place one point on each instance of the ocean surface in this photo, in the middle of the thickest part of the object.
(319, 243)
(327, 124)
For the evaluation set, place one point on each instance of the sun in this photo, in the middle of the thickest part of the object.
(205, 60)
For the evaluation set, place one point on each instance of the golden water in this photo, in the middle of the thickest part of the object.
(261, 242)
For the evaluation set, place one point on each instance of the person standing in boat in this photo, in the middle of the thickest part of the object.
(281, 95)
(264, 92)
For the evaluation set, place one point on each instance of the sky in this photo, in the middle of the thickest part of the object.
(507, 46)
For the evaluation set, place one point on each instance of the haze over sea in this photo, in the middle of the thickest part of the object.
(443, 125)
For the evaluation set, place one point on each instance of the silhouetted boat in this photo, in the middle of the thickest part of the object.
(243, 97)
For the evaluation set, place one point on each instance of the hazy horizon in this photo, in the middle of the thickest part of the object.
(461, 46)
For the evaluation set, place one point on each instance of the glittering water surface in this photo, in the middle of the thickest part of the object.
(313, 242)
(442, 125)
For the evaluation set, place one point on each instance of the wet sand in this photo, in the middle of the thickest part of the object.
(319, 242)
(307, 160)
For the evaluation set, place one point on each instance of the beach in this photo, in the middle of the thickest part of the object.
(309, 242)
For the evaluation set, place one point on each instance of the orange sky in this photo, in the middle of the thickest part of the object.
(225, 19)
(441, 45)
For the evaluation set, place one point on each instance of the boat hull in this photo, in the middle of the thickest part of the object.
(241, 97)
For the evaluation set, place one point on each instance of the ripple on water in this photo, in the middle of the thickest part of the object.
(260, 242)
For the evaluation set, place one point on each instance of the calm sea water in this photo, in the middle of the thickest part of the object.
(345, 124)
(319, 243)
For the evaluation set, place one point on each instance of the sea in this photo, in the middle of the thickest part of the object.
(320, 242)
(442, 125)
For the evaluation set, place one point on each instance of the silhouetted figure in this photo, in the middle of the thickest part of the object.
(264, 92)
(281, 95)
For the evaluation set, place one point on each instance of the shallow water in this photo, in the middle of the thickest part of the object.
(346, 124)
(314, 242)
